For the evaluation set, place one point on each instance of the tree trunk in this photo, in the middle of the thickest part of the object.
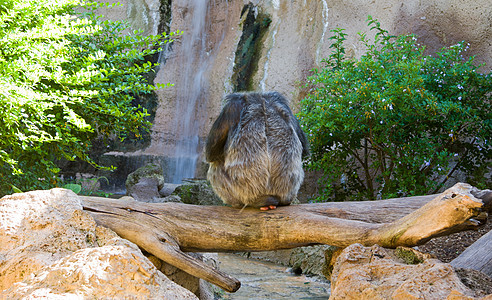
(168, 229)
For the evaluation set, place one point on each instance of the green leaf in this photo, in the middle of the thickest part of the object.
(15, 189)
(76, 188)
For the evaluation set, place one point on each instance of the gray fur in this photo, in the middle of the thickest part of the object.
(257, 159)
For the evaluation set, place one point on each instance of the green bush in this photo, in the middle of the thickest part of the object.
(65, 79)
(397, 122)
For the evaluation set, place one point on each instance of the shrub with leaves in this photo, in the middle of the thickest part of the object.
(65, 79)
(397, 122)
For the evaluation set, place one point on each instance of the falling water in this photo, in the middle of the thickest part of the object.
(325, 28)
(275, 5)
(267, 62)
(191, 87)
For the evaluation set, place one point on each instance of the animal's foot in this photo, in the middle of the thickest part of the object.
(269, 207)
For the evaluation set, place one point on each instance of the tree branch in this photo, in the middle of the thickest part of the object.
(167, 229)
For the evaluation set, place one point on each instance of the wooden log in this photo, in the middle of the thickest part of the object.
(478, 256)
(168, 229)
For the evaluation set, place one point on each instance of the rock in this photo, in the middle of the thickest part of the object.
(475, 280)
(150, 170)
(310, 260)
(144, 184)
(117, 271)
(39, 228)
(201, 288)
(279, 257)
(198, 192)
(89, 183)
(171, 198)
(168, 189)
(51, 248)
(145, 190)
(377, 273)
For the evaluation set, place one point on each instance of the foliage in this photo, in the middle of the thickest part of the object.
(74, 187)
(87, 186)
(65, 78)
(396, 122)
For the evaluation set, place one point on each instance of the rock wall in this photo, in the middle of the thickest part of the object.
(285, 40)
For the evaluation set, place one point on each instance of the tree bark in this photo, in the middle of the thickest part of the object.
(478, 256)
(167, 230)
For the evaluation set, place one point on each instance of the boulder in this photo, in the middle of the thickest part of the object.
(39, 228)
(198, 192)
(171, 198)
(377, 273)
(168, 189)
(118, 271)
(311, 260)
(51, 248)
(144, 183)
(145, 190)
(150, 170)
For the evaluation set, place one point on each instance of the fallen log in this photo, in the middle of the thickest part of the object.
(168, 230)
(478, 256)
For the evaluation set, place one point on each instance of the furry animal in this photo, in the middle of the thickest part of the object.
(255, 150)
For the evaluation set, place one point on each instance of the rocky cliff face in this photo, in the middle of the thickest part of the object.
(271, 45)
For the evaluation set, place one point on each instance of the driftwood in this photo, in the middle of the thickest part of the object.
(478, 256)
(168, 230)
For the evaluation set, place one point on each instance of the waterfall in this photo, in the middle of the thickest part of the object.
(325, 28)
(191, 89)
(267, 62)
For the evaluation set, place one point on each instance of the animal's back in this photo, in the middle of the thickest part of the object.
(264, 151)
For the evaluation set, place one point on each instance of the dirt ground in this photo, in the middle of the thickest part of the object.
(447, 248)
